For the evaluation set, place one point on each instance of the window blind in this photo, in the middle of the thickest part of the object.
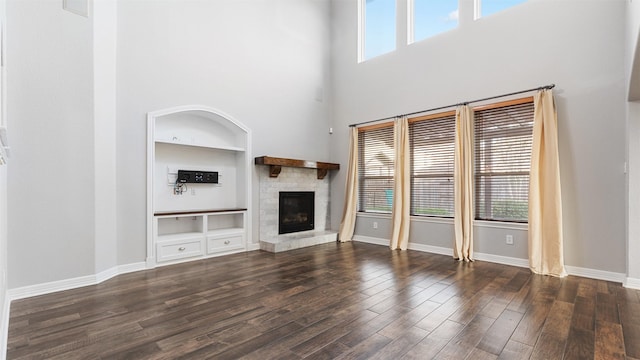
(503, 139)
(375, 169)
(432, 143)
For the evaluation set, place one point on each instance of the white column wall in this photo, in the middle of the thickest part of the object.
(633, 143)
(104, 84)
(50, 107)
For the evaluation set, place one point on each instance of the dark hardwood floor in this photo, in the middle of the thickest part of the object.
(332, 301)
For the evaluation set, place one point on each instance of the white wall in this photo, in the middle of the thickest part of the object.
(4, 320)
(77, 199)
(632, 56)
(536, 43)
(104, 15)
(633, 48)
(633, 184)
(4, 305)
(51, 182)
(263, 62)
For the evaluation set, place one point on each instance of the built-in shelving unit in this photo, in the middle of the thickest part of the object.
(201, 219)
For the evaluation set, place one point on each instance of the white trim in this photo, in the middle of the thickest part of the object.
(186, 108)
(477, 9)
(595, 274)
(449, 221)
(129, 268)
(4, 327)
(373, 215)
(106, 274)
(68, 284)
(432, 249)
(506, 260)
(361, 31)
(371, 240)
(411, 22)
(432, 220)
(253, 247)
(51, 287)
(501, 225)
(440, 250)
(631, 283)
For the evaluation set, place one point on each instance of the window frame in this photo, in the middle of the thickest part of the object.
(413, 194)
(362, 31)
(362, 176)
(477, 175)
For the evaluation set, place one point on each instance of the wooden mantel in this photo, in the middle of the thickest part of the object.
(276, 165)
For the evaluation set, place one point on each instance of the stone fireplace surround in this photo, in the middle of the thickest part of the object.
(292, 179)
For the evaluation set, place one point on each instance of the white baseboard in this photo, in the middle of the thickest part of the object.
(371, 240)
(595, 274)
(119, 270)
(431, 249)
(50, 287)
(253, 247)
(505, 260)
(631, 283)
(68, 284)
(4, 327)
(106, 274)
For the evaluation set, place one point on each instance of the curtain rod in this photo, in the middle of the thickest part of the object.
(547, 87)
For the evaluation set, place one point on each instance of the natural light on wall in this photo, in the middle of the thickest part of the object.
(488, 7)
(377, 28)
(431, 17)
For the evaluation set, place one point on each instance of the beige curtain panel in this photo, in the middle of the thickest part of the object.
(402, 186)
(348, 224)
(463, 185)
(545, 206)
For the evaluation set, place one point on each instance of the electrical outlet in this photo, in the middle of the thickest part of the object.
(509, 239)
(375, 224)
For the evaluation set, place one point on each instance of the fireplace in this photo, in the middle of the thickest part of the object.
(296, 211)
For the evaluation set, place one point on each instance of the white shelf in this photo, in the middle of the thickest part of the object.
(206, 146)
(225, 232)
(180, 236)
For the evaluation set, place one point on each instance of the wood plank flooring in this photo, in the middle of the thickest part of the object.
(331, 301)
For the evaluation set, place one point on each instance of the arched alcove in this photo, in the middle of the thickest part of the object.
(198, 184)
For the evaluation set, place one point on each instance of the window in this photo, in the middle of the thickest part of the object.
(503, 134)
(431, 17)
(377, 28)
(375, 168)
(503, 139)
(432, 143)
(488, 7)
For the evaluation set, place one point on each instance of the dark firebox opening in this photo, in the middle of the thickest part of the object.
(296, 211)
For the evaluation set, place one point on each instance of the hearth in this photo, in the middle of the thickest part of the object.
(296, 211)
